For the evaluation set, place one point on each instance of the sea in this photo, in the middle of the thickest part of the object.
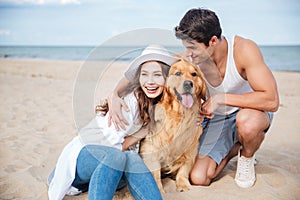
(278, 58)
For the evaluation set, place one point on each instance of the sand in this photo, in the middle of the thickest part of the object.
(37, 120)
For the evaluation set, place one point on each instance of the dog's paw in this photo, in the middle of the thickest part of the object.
(183, 185)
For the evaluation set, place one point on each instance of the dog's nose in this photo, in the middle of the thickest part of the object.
(187, 86)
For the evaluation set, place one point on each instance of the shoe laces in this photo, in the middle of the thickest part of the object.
(244, 166)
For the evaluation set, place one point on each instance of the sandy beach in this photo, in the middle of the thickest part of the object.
(37, 121)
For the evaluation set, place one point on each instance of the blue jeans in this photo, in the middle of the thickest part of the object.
(99, 170)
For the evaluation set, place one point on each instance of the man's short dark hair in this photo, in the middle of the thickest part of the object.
(199, 24)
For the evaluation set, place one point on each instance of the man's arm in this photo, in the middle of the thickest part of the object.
(252, 67)
(115, 104)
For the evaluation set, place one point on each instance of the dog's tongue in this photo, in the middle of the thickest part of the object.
(187, 100)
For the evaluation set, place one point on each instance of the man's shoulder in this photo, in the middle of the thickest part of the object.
(240, 43)
(246, 52)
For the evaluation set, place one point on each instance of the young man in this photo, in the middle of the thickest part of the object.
(242, 93)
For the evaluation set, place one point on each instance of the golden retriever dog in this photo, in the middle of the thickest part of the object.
(172, 144)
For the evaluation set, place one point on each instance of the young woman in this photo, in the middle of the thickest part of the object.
(94, 161)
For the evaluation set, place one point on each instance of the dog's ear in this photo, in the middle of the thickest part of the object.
(203, 92)
(203, 88)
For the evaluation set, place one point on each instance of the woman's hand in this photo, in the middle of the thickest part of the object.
(129, 141)
(134, 138)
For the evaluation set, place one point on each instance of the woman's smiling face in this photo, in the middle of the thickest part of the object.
(152, 80)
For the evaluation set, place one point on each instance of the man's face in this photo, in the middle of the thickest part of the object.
(196, 51)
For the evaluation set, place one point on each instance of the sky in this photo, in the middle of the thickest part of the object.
(92, 22)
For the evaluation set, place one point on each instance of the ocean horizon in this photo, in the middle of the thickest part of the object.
(278, 58)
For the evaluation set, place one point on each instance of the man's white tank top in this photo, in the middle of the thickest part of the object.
(232, 83)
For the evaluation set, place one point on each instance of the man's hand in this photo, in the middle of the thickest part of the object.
(199, 119)
(212, 104)
(115, 104)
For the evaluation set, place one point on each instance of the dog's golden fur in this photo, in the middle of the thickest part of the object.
(171, 146)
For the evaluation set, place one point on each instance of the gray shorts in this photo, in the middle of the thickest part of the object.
(219, 135)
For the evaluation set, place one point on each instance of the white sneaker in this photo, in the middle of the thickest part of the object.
(245, 172)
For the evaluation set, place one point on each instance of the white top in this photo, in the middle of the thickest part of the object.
(233, 83)
(96, 132)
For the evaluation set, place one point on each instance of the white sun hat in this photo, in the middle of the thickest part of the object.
(152, 52)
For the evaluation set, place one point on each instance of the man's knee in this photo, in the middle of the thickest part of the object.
(243, 123)
(198, 178)
(203, 172)
(249, 125)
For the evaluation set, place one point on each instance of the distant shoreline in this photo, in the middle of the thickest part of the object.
(278, 58)
(9, 59)
(94, 46)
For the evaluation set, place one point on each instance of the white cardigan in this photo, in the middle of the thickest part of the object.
(96, 132)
